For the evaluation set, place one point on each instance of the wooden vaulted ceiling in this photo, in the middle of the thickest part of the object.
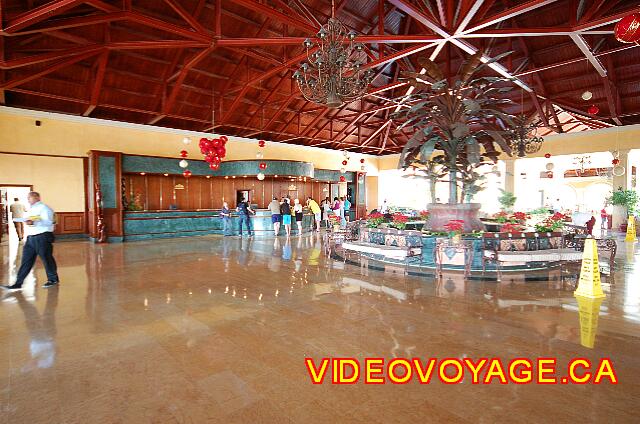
(173, 62)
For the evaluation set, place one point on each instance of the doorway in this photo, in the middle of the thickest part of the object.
(7, 195)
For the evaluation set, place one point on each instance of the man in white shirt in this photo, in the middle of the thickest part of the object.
(17, 212)
(39, 243)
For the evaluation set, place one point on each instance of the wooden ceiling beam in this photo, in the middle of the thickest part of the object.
(78, 21)
(97, 85)
(509, 13)
(188, 17)
(269, 12)
(39, 14)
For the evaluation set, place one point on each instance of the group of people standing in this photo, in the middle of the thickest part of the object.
(282, 213)
(339, 207)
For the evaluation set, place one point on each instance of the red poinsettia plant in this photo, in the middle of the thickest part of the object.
(454, 227)
(511, 228)
(424, 215)
(554, 223)
(399, 221)
(374, 219)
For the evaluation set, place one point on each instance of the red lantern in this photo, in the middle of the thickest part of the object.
(627, 30)
(616, 161)
(593, 110)
(186, 173)
(547, 155)
(342, 178)
(261, 143)
(362, 160)
(183, 153)
(549, 174)
(262, 166)
(344, 162)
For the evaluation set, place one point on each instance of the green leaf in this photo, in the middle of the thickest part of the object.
(426, 150)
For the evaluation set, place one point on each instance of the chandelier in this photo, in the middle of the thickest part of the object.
(522, 138)
(333, 74)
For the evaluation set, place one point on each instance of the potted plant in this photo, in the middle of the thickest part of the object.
(399, 221)
(552, 224)
(626, 201)
(455, 227)
(458, 126)
(373, 220)
(335, 222)
(507, 200)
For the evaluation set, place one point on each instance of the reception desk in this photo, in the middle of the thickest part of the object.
(145, 225)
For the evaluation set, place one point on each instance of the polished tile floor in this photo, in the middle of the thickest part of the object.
(215, 330)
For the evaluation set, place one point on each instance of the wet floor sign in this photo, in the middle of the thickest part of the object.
(631, 229)
(589, 284)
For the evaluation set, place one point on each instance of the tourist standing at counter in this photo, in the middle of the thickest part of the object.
(285, 211)
(244, 209)
(347, 206)
(297, 210)
(316, 211)
(328, 210)
(276, 217)
(225, 214)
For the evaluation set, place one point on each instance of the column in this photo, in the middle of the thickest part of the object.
(624, 181)
(510, 176)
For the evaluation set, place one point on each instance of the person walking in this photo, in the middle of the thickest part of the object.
(225, 214)
(297, 210)
(316, 211)
(39, 242)
(244, 209)
(17, 213)
(285, 211)
(274, 207)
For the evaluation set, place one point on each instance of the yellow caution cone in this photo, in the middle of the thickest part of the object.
(588, 310)
(631, 229)
(589, 284)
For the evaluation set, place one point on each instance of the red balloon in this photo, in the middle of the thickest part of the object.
(224, 139)
(222, 152)
(263, 165)
(547, 155)
(549, 174)
(593, 110)
(342, 178)
(362, 160)
(215, 143)
(216, 159)
(261, 143)
(627, 30)
(214, 165)
(344, 162)
(208, 158)
(202, 142)
(615, 161)
(183, 153)
(186, 173)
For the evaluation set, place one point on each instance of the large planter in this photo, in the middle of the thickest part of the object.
(440, 214)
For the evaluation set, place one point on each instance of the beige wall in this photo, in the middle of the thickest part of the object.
(60, 181)
(372, 192)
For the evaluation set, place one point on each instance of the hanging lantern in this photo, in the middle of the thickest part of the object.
(593, 110)
(549, 166)
(186, 140)
(183, 163)
(619, 170)
(183, 153)
(587, 95)
(342, 170)
(186, 173)
(259, 155)
(362, 160)
(260, 176)
(550, 174)
(547, 155)
(262, 166)
(261, 143)
(362, 168)
(627, 30)
(344, 163)
(345, 154)
(616, 161)
(342, 178)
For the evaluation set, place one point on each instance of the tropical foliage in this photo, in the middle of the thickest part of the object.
(625, 198)
(458, 125)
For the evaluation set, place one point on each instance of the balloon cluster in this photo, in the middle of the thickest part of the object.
(214, 151)
(262, 165)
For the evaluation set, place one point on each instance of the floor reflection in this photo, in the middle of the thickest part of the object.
(212, 329)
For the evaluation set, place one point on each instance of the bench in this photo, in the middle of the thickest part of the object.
(607, 249)
(524, 248)
(391, 248)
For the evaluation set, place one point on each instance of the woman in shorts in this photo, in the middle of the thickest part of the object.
(285, 211)
(297, 209)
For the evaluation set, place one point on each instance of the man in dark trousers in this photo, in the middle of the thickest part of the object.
(244, 209)
(39, 231)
